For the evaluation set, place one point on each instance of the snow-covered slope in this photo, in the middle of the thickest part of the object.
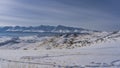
(93, 50)
(70, 41)
(65, 41)
(106, 54)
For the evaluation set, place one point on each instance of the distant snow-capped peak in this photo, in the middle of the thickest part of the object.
(42, 28)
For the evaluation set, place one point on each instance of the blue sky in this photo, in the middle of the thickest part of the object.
(90, 14)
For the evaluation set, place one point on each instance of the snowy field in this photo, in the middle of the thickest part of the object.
(105, 54)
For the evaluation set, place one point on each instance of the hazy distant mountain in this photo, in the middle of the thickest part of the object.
(42, 28)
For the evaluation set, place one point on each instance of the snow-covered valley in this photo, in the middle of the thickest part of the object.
(93, 50)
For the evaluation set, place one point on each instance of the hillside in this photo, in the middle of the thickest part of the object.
(64, 41)
(103, 51)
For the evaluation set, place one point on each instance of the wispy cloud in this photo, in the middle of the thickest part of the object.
(53, 12)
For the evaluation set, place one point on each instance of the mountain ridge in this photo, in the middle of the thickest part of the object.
(42, 28)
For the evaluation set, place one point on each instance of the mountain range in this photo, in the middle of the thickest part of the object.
(42, 28)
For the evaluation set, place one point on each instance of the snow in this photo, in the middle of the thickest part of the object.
(104, 54)
(2, 39)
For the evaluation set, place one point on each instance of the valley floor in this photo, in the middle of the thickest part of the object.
(103, 55)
